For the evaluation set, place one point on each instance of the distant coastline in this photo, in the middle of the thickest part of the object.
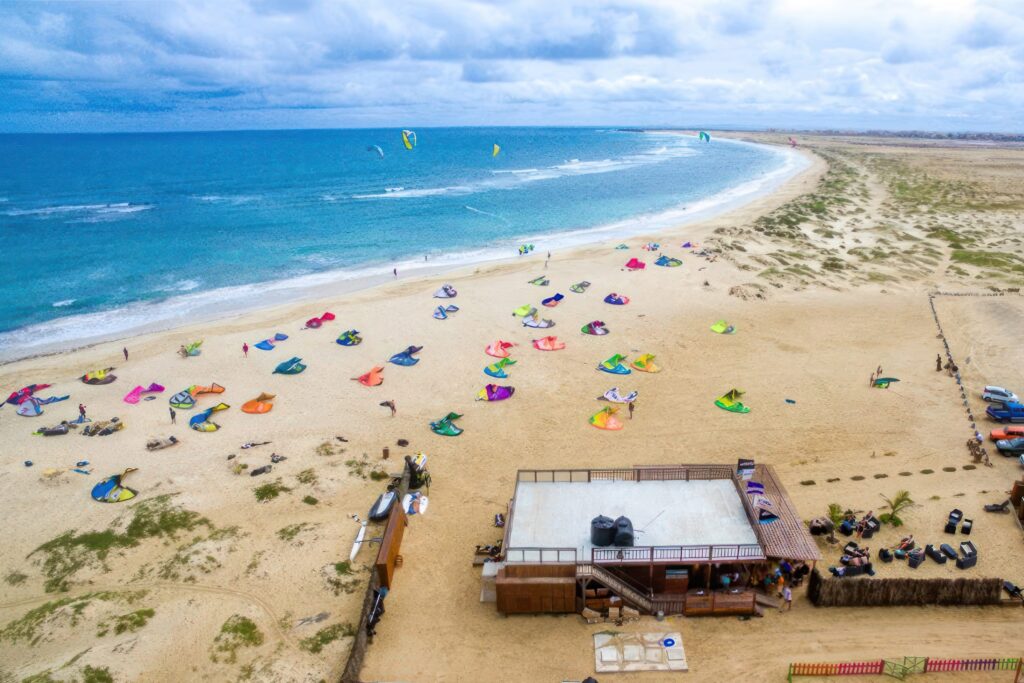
(75, 331)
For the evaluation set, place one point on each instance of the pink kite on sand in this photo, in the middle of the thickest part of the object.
(135, 394)
(548, 344)
(635, 264)
(314, 323)
(499, 349)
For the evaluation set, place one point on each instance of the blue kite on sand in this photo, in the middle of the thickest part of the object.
(406, 357)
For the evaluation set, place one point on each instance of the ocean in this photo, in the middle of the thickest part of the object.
(104, 235)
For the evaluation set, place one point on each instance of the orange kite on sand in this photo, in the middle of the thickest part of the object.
(259, 405)
(499, 349)
(548, 344)
(373, 378)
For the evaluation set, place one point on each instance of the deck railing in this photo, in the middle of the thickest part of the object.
(681, 554)
(541, 555)
(637, 473)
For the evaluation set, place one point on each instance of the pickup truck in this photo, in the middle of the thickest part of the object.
(1007, 412)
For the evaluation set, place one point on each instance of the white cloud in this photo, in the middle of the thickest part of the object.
(278, 63)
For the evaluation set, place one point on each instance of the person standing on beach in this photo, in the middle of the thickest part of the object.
(938, 363)
(81, 411)
(632, 406)
(125, 352)
(871, 382)
(394, 271)
(245, 349)
(787, 596)
(173, 415)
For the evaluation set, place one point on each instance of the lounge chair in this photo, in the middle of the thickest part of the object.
(934, 553)
(915, 558)
(1013, 590)
(954, 519)
(969, 557)
(966, 526)
(871, 525)
(948, 551)
(998, 507)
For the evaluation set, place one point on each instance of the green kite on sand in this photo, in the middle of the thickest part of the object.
(579, 287)
(446, 425)
(722, 327)
(731, 401)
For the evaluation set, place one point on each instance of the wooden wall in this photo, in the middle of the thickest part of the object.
(532, 589)
(390, 545)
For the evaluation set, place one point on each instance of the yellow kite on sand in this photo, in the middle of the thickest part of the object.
(605, 419)
(645, 363)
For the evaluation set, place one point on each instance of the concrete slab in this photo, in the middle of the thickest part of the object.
(624, 652)
(664, 513)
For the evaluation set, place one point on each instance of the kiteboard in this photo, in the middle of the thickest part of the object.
(382, 507)
(358, 543)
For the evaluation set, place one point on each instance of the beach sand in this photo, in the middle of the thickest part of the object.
(809, 329)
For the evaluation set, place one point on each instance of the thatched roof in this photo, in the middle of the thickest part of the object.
(787, 537)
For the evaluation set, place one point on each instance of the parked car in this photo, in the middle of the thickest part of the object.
(1011, 447)
(1008, 412)
(999, 395)
(1010, 432)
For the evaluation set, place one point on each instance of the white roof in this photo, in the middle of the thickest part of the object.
(664, 513)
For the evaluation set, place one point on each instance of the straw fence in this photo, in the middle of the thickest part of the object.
(852, 592)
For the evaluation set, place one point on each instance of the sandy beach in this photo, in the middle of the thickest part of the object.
(825, 279)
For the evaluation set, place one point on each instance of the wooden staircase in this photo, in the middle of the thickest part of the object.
(628, 593)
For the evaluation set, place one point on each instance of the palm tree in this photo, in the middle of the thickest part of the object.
(897, 504)
(835, 515)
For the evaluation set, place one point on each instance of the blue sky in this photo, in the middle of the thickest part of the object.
(228, 64)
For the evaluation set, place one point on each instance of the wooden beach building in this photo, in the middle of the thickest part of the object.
(693, 525)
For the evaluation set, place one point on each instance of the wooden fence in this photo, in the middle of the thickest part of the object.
(836, 668)
(1006, 664)
(909, 665)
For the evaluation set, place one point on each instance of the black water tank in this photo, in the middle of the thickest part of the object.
(623, 531)
(602, 531)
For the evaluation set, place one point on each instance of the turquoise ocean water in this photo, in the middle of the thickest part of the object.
(104, 234)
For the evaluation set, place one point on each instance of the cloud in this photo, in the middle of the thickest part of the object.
(183, 64)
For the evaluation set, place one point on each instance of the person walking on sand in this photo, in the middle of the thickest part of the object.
(81, 411)
(245, 350)
(394, 271)
(938, 363)
(787, 597)
(173, 415)
(871, 382)
(632, 406)
(125, 352)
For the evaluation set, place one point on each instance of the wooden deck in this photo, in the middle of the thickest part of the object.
(719, 603)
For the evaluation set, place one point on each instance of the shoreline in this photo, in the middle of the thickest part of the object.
(227, 303)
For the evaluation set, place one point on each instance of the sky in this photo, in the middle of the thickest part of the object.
(947, 65)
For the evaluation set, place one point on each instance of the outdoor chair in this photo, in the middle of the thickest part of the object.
(934, 553)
